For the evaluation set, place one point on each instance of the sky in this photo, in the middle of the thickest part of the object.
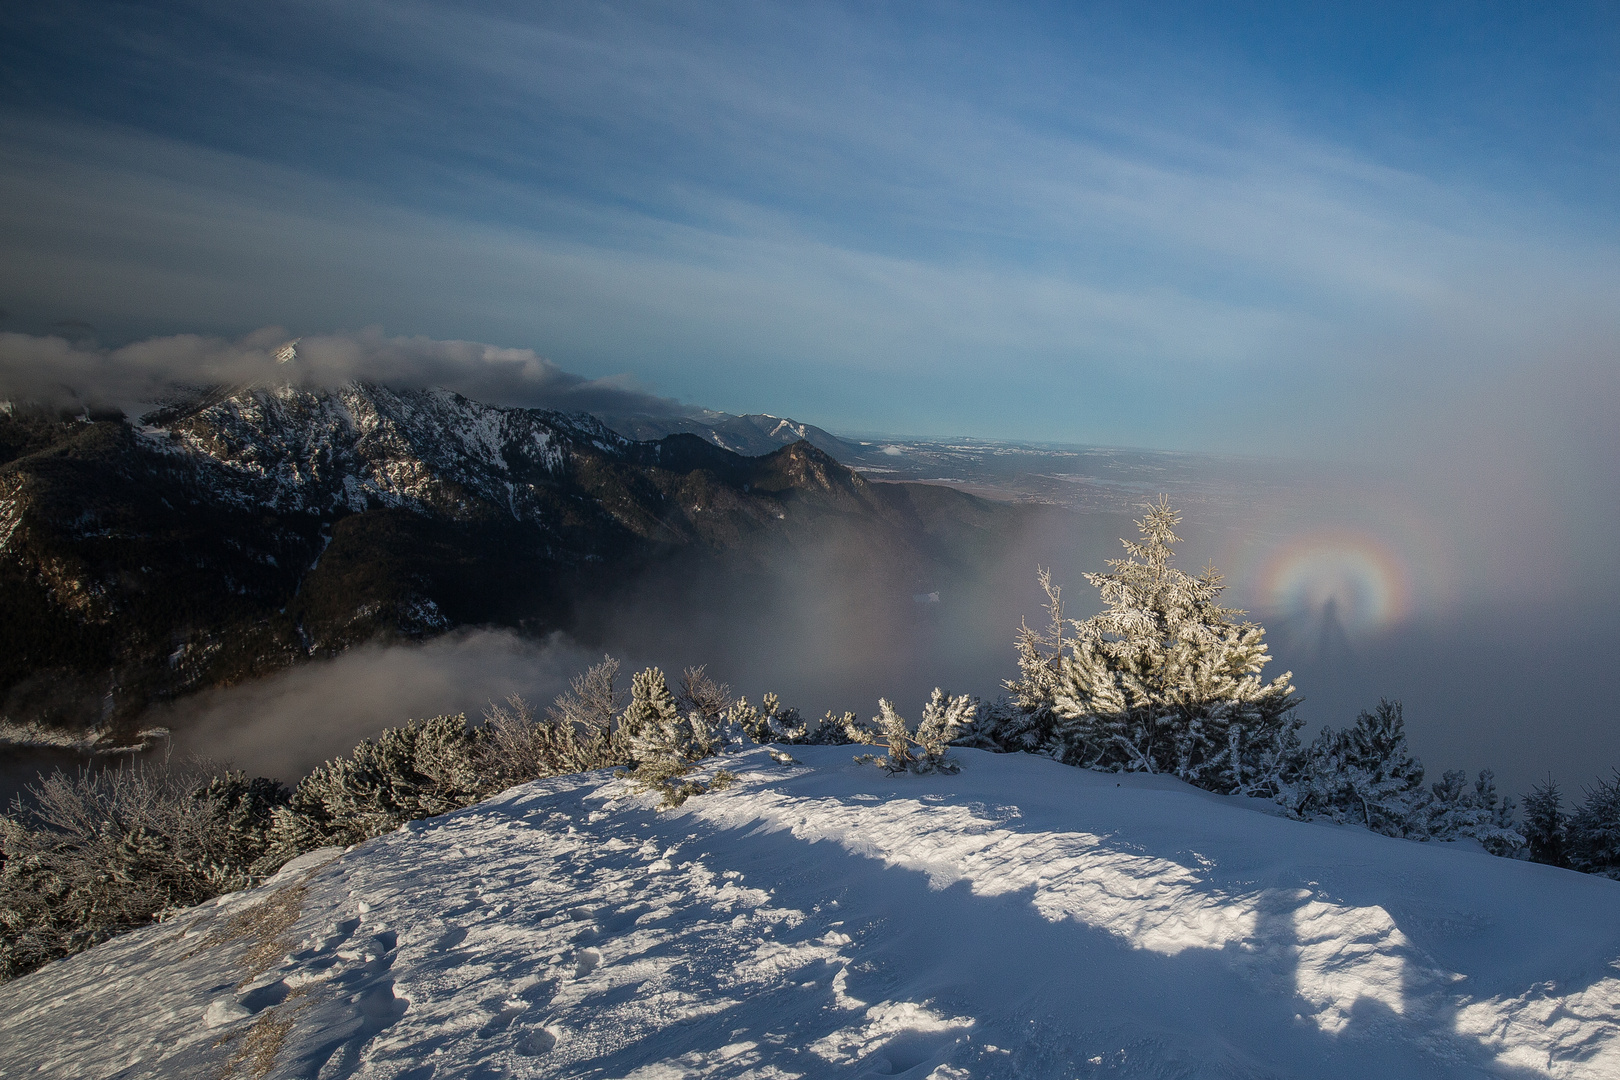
(1383, 236)
(1239, 227)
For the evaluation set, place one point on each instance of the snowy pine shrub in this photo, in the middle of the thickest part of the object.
(99, 854)
(1363, 774)
(921, 751)
(831, 730)
(244, 810)
(662, 734)
(1163, 680)
(656, 730)
(734, 721)
(770, 723)
(664, 743)
(1593, 832)
(1458, 809)
(410, 772)
(578, 733)
(1546, 825)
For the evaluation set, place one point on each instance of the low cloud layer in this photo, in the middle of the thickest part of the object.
(1477, 681)
(287, 724)
(59, 371)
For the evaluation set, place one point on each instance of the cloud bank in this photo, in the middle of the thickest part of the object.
(286, 724)
(59, 372)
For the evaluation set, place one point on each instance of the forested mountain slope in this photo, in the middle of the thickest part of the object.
(246, 529)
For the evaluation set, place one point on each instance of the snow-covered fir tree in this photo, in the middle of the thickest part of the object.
(1162, 680)
(1593, 844)
(1459, 809)
(1365, 774)
(1545, 824)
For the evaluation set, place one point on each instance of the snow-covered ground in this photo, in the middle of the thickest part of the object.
(1021, 919)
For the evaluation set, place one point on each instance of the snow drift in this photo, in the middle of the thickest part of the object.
(1019, 919)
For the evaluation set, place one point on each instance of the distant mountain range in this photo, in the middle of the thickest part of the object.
(1089, 479)
(751, 435)
(242, 530)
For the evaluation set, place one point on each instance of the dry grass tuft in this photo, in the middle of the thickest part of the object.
(263, 1041)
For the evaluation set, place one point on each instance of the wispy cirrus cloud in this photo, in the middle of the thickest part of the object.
(969, 223)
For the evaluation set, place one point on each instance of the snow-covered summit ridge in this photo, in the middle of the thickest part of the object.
(1019, 919)
(364, 445)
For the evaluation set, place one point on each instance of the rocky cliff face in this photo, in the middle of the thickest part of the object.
(248, 529)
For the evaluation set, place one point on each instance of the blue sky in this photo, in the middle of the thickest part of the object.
(1352, 231)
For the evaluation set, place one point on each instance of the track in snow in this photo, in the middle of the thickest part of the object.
(1021, 919)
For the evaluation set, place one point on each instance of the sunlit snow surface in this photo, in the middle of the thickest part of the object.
(1021, 919)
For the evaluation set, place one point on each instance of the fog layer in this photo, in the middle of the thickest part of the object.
(288, 723)
(1523, 689)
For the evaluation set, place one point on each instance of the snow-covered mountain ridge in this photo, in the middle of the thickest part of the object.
(361, 446)
(751, 433)
(249, 528)
(1019, 919)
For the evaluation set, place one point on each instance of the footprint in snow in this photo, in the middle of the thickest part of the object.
(452, 937)
(533, 1042)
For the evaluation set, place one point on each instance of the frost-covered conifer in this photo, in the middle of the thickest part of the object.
(831, 730)
(1365, 774)
(243, 809)
(1024, 719)
(1594, 831)
(1458, 809)
(1545, 825)
(1499, 833)
(1162, 680)
(771, 722)
(924, 750)
(664, 743)
(416, 771)
(653, 726)
(1503, 835)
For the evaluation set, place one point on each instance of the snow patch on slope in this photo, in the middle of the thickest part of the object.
(10, 509)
